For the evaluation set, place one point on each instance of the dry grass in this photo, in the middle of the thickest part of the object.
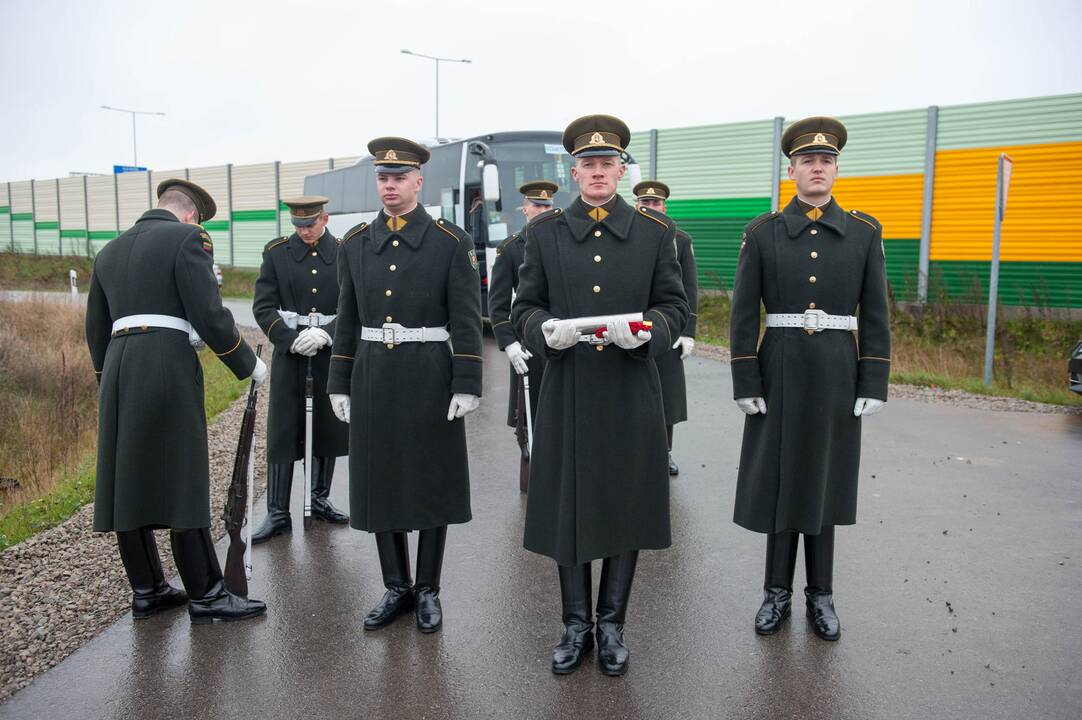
(48, 397)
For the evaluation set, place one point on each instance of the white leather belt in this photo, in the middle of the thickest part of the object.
(812, 321)
(129, 322)
(293, 319)
(395, 334)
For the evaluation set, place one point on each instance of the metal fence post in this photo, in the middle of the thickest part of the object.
(59, 221)
(277, 198)
(86, 215)
(34, 214)
(924, 263)
(653, 153)
(775, 171)
(11, 219)
(330, 163)
(229, 204)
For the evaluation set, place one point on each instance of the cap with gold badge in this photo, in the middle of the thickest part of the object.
(596, 135)
(397, 155)
(539, 192)
(204, 203)
(304, 211)
(814, 135)
(651, 190)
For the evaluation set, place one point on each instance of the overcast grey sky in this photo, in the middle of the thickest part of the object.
(249, 82)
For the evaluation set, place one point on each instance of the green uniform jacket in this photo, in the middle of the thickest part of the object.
(502, 285)
(407, 464)
(599, 482)
(670, 368)
(303, 279)
(799, 462)
(152, 429)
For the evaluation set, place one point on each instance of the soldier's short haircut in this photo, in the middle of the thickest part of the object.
(178, 201)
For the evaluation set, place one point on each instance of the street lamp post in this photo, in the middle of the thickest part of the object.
(134, 147)
(438, 61)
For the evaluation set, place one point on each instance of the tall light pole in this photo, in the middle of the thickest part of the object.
(438, 61)
(134, 147)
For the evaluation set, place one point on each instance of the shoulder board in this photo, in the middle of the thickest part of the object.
(275, 243)
(681, 233)
(865, 218)
(506, 242)
(757, 221)
(351, 232)
(655, 217)
(450, 228)
(547, 215)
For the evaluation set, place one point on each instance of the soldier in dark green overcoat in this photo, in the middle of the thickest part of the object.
(405, 370)
(653, 194)
(536, 198)
(152, 291)
(598, 472)
(820, 273)
(296, 297)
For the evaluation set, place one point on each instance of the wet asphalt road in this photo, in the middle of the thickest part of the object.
(972, 508)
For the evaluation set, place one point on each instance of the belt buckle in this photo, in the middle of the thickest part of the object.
(388, 336)
(813, 327)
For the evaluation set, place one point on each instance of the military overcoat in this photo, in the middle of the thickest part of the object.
(799, 462)
(670, 367)
(599, 483)
(407, 463)
(153, 468)
(304, 279)
(501, 288)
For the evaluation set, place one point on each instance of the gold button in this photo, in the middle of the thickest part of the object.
(314, 271)
(597, 258)
(814, 254)
(599, 347)
(597, 288)
(314, 291)
(390, 346)
(597, 233)
(811, 280)
(388, 318)
(395, 243)
(393, 268)
(811, 306)
(388, 293)
(814, 231)
(314, 253)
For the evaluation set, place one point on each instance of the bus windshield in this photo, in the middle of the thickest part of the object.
(522, 161)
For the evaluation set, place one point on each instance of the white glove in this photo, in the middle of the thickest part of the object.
(340, 406)
(322, 336)
(518, 356)
(305, 344)
(559, 334)
(752, 406)
(867, 406)
(259, 372)
(619, 332)
(461, 405)
(686, 345)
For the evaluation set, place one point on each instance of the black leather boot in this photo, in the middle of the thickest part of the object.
(778, 588)
(674, 469)
(576, 588)
(277, 522)
(150, 592)
(322, 474)
(193, 551)
(394, 561)
(430, 544)
(819, 595)
(613, 594)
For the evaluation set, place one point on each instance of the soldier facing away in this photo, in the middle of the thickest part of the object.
(296, 297)
(598, 474)
(408, 285)
(809, 382)
(653, 194)
(151, 288)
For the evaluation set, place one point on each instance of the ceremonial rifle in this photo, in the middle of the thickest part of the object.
(238, 504)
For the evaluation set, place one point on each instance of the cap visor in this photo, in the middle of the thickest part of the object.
(394, 169)
(303, 222)
(598, 152)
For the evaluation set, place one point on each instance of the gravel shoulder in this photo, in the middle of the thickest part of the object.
(65, 585)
